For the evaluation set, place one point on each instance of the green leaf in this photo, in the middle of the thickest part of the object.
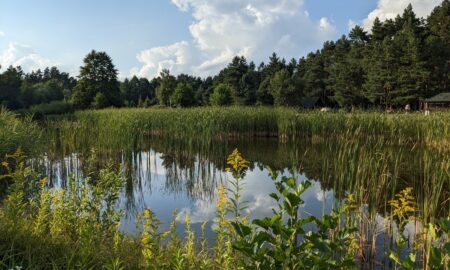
(294, 200)
(264, 223)
(274, 196)
(393, 256)
(262, 237)
(436, 257)
(447, 247)
(241, 229)
(445, 224)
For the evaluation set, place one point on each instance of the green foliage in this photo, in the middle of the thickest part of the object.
(53, 108)
(48, 91)
(98, 85)
(83, 93)
(243, 79)
(263, 95)
(222, 95)
(100, 101)
(280, 241)
(61, 228)
(347, 74)
(166, 87)
(10, 82)
(137, 91)
(285, 90)
(183, 96)
(18, 133)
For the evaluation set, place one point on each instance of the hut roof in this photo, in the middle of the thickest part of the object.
(442, 97)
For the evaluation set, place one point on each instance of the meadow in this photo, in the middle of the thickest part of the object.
(394, 166)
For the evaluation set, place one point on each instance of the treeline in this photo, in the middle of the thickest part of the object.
(401, 61)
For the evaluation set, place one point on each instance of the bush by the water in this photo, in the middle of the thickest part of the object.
(17, 133)
(53, 108)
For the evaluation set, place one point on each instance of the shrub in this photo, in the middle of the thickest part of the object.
(183, 96)
(222, 95)
(52, 108)
(17, 133)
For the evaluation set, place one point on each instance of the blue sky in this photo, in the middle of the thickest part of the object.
(193, 36)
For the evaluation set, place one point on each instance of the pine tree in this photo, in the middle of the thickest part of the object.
(437, 50)
(315, 75)
(346, 73)
(263, 95)
(232, 75)
(377, 31)
(411, 74)
(285, 91)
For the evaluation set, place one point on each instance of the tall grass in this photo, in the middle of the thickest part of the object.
(16, 132)
(113, 127)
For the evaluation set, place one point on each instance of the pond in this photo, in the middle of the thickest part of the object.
(172, 175)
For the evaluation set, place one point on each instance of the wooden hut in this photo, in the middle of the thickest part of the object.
(439, 102)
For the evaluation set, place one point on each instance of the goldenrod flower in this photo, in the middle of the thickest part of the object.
(236, 162)
(222, 200)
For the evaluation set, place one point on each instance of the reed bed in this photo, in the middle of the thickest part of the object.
(113, 127)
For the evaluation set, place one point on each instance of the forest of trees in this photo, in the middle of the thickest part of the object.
(400, 61)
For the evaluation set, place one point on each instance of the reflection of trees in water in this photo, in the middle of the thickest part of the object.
(374, 172)
(187, 173)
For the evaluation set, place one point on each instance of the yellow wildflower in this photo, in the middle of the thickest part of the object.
(222, 200)
(403, 205)
(236, 162)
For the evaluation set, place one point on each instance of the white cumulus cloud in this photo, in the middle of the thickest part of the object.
(175, 57)
(388, 9)
(324, 23)
(2, 34)
(351, 24)
(222, 29)
(23, 55)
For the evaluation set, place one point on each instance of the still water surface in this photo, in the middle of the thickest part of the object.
(167, 176)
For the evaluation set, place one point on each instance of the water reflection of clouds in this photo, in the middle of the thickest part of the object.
(255, 194)
(152, 162)
(155, 188)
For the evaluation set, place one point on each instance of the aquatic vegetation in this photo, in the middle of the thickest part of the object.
(110, 128)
